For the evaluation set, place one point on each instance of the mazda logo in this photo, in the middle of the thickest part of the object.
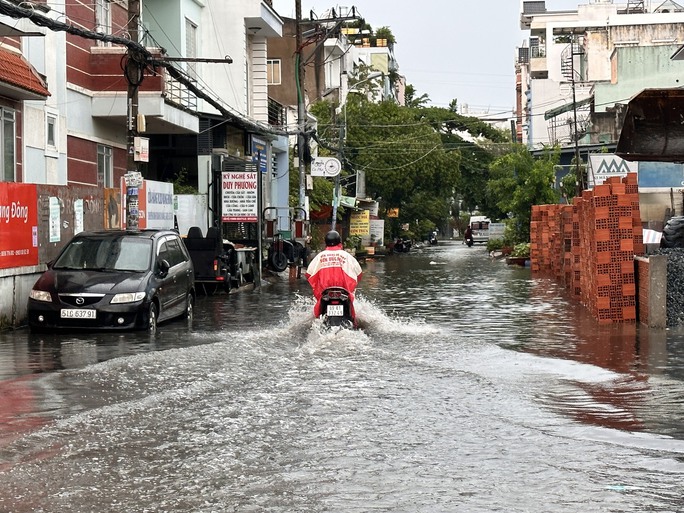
(80, 301)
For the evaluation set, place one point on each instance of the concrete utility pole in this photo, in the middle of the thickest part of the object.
(301, 107)
(300, 67)
(134, 71)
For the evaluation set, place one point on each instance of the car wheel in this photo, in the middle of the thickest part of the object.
(152, 317)
(190, 307)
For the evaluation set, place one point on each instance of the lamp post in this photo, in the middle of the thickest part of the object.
(343, 138)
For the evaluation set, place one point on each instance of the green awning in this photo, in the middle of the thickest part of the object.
(557, 111)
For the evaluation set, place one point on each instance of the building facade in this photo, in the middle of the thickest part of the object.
(580, 68)
(200, 85)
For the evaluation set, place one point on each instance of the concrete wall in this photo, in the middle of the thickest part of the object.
(15, 285)
(652, 290)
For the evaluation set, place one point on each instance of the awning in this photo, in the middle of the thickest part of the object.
(19, 80)
(652, 129)
(552, 113)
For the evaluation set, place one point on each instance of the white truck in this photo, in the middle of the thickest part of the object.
(480, 227)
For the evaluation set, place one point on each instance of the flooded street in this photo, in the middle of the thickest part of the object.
(471, 387)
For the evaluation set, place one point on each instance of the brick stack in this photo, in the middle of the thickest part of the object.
(575, 251)
(590, 247)
(550, 236)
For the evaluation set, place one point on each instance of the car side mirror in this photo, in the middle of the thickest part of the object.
(164, 267)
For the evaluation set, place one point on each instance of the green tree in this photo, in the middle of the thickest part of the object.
(519, 181)
(425, 161)
(412, 99)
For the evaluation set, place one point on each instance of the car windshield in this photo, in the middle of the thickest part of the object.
(107, 253)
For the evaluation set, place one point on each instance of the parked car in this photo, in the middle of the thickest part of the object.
(115, 280)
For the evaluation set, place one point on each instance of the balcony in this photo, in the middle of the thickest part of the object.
(538, 67)
(166, 104)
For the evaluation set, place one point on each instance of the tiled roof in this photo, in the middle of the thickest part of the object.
(14, 70)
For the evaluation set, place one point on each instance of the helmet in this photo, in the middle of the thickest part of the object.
(332, 238)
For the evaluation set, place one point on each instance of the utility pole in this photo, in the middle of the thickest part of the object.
(301, 107)
(133, 71)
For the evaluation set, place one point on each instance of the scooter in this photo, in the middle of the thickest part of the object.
(336, 308)
(469, 241)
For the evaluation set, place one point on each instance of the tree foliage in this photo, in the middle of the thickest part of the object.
(518, 181)
(412, 99)
(432, 164)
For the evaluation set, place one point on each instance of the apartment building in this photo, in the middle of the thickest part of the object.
(579, 68)
(67, 99)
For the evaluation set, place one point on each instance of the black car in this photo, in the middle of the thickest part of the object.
(115, 280)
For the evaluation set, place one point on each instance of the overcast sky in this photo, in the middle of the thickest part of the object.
(463, 49)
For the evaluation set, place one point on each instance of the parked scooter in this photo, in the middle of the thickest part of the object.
(336, 308)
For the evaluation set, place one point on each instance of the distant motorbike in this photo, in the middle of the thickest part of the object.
(469, 241)
(336, 308)
(433, 240)
(402, 246)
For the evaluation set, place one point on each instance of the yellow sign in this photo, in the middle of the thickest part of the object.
(392, 212)
(359, 224)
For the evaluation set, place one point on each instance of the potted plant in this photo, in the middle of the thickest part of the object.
(520, 254)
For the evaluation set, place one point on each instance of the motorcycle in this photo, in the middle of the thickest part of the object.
(469, 241)
(336, 308)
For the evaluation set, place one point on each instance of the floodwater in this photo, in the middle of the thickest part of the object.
(472, 387)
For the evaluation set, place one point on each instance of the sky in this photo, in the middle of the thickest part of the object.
(449, 49)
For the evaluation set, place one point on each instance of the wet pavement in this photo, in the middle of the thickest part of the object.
(471, 387)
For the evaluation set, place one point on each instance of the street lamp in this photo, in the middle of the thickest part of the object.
(343, 138)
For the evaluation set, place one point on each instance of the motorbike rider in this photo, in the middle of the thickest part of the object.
(333, 267)
(468, 236)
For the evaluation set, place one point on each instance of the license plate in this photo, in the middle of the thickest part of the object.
(335, 310)
(75, 313)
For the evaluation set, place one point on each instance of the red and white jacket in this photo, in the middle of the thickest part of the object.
(333, 267)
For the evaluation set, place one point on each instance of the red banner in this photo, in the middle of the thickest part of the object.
(18, 225)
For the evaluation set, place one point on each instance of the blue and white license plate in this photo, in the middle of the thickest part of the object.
(335, 310)
(78, 313)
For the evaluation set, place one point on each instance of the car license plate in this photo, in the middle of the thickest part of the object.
(335, 310)
(75, 313)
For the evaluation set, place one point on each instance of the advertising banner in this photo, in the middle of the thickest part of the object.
(155, 205)
(377, 231)
(259, 154)
(19, 225)
(602, 166)
(359, 223)
(239, 193)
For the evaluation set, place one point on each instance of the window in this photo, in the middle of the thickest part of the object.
(103, 19)
(273, 71)
(105, 166)
(191, 46)
(51, 137)
(51, 134)
(8, 141)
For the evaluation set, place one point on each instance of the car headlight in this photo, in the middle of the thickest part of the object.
(128, 297)
(41, 295)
